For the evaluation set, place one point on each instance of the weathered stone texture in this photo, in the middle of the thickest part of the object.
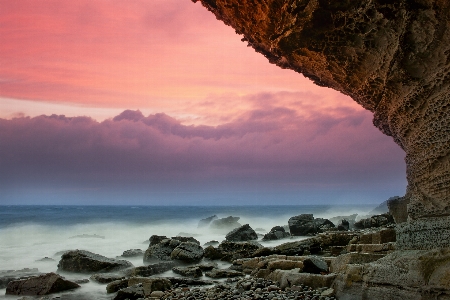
(392, 57)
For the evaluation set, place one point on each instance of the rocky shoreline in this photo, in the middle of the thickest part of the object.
(310, 268)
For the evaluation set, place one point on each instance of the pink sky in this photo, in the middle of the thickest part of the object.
(212, 111)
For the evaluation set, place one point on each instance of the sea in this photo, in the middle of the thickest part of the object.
(28, 234)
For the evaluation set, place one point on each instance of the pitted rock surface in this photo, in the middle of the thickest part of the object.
(392, 57)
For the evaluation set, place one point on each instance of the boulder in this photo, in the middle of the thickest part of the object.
(242, 234)
(205, 222)
(187, 252)
(156, 239)
(152, 269)
(225, 224)
(81, 261)
(186, 239)
(161, 251)
(291, 278)
(131, 293)
(306, 224)
(375, 221)
(191, 271)
(150, 284)
(40, 285)
(212, 253)
(117, 285)
(106, 278)
(207, 266)
(398, 208)
(235, 250)
(299, 247)
(315, 265)
(276, 233)
(132, 253)
(10, 275)
(223, 273)
(210, 243)
(343, 225)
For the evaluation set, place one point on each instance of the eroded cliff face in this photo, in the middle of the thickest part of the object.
(392, 57)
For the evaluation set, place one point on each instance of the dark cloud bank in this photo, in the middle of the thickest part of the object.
(270, 155)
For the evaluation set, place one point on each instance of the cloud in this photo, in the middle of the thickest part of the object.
(273, 147)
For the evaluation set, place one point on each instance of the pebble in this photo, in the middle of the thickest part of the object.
(246, 289)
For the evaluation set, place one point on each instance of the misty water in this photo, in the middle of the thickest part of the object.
(31, 233)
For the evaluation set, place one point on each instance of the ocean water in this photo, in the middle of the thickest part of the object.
(30, 233)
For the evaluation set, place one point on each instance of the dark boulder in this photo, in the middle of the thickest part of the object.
(276, 233)
(315, 265)
(161, 251)
(344, 225)
(210, 243)
(81, 261)
(235, 250)
(191, 271)
(242, 234)
(186, 239)
(106, 278)
(306, 224)
(225, 224)
(132, 253)
(150, 270)
(156, 239)
(40, 285)
(187, 252)
(223, 273)
(117, 285)
(212, 253)
(375, 221)
(10, 275)
(205, 222)
(131, 293)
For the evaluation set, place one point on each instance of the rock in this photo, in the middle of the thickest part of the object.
(211, 243)
(223, 273)
(186, 239)
(46, 259)
(340, 263)
(131, 293)
(235, 250)
(10, 275)
(375, 221)
(265, 251)
(284, 264)
(343, 225)
(106, 278)
(81, 281)
(242, 234)
(276, 233)
(187, 252)
(156, 239)
(161, 251)
(40, 285)
(306, 224)
(81, 261)
(207, 266)
(350, 218)
(150, 284)
(225, 224)
(205, 222)
(152, 269)
(382, 208)
(114, 286)
(290, 278)
(312, 245)
(157, 294)
(189, 281)
(315, 265)
(398, 208)
(212, 253)
(132, 253)
(188, 271)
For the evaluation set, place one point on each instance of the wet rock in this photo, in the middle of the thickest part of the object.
(156, 239)
(186, 239)
(132, 253)
(211, 243)
(106, 278)
(117, 285)
(375, 221)
(212, 253)
(223, 273)
(130, 293)
(235, 250)
(276, 233)
(81, 261)
(343, 225)
(315, 265)
(161, 251)
(187, 252)
(150, 284)
(10, 275)
(205, 222)
(40, 285)
(206, 266)
(306, 224)
(150, 270)
(225, 224)
(241, 234)
(188, 271)
(177, 281)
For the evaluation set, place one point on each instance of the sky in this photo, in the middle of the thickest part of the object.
(156, 102)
